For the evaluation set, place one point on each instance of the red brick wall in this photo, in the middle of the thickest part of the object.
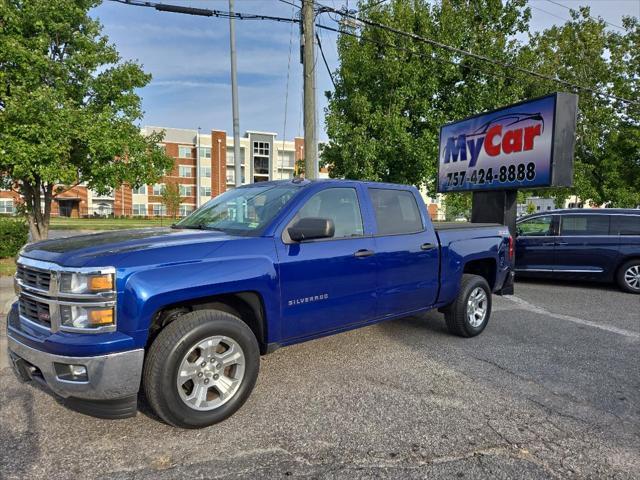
(218, 162)
(173, 176)
(78, 192)
(122, 204)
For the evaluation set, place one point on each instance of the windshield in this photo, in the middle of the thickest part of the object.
(242, 210)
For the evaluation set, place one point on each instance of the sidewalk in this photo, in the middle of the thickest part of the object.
(6, 299)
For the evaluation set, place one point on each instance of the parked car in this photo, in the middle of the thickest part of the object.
(186, 312)
(585, 244)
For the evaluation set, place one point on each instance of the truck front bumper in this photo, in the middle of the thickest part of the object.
(107, 386)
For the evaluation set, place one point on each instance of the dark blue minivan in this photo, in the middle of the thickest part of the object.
(584, 244)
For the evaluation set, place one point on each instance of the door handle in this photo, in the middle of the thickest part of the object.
(363, 253)
(427, 246)
(562, 244)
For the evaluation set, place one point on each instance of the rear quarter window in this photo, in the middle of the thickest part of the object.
(625, 225)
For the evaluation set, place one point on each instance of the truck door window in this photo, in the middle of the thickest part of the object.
(536, 227)
(583, 225)
(340, 205)
(396, 211)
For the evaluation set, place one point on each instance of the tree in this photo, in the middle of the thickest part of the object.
(585, 52)
(171, 199)
(457, 205)
(393, 93)
(67, 107)
(531, 208)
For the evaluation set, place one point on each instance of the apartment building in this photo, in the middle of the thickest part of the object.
(203, 168)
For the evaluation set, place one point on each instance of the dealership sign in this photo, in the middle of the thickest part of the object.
(525, 145)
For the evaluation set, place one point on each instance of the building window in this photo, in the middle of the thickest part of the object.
(205, 152)
(141, 190)
(261, 165)
(205, 172)
(230, 156)
(6, 206)
(186, 210)
(185, 171)
(140, 209)
(184, 152)
(205, 191)
(186, 190)
(261, 148)
(157, 188)
(158, 209)
(231, 176)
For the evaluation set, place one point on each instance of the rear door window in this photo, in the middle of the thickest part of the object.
(535, 227)
(396, 211)
(625, 225)
(584, 225)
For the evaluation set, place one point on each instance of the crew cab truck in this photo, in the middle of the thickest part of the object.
(184, 313)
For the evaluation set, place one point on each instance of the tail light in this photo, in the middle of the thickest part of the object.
(511, 248)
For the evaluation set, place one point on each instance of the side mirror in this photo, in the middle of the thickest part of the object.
(310, 228)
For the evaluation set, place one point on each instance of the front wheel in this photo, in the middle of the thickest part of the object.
(469, 314)
(201, 368)
(629, 276)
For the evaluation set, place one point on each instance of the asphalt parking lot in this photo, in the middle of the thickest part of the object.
(551, 389)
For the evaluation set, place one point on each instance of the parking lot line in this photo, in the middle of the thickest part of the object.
(524, 305)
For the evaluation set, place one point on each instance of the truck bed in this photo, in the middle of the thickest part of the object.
(458, 225)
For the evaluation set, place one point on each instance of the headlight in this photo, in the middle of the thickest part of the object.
(83, 283)
(86, 317)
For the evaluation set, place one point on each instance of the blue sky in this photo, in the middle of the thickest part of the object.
(188, 57)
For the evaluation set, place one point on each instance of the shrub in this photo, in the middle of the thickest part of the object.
(13, 235)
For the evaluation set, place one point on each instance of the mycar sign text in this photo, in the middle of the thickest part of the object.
(525, 145)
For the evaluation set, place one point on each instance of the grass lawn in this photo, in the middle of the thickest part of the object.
(65, 223)
(7, 267)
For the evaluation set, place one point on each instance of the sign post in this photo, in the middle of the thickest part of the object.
(525, 145)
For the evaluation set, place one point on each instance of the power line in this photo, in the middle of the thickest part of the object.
(592, 18)
(286, 95)
(201, 12)
(483, 58)
(326, 64)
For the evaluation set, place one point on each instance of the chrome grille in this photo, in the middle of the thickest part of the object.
(33, 277)
(37, 312)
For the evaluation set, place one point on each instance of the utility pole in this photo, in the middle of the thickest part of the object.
(234, 98)
(308, 61)
(198, 163)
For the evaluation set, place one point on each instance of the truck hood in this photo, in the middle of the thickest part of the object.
(117, 247)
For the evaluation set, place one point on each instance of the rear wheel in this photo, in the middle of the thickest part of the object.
(469, 314)
(201, 368)
(629, 276)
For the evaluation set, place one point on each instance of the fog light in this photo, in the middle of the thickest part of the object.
(78, 370)
(71, 373)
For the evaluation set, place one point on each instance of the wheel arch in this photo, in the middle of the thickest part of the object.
(484, 267)
(248, 306)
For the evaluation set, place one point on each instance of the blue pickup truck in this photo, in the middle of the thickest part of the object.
(184, 313)
(600, 244)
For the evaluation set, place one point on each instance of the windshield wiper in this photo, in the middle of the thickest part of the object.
(197, 226)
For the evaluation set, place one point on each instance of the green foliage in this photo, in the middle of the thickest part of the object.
(584, 51)
(394, 93)
(68, 106)
(171, 199)
(13, 235)
(531, 208)
(457, 205)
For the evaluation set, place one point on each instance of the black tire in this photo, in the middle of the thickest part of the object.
(169, 349)
(620, 276)
(455, 314)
